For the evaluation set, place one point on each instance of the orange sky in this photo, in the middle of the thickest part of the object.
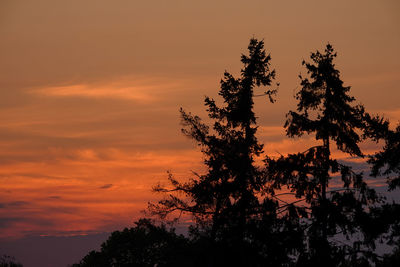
(90, 93)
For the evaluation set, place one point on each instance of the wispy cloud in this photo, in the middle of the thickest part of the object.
(70, 194)
(142, 90)
(127, 93)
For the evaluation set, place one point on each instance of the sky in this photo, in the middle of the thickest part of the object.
(90, 93)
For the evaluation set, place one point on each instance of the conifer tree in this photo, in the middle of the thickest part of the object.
(387, 163)
(226, 201)
(332, 199)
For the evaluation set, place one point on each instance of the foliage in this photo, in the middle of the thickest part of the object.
(229, 203)
(143, 245)
(333, 198)
(8, 261)
(387, 161)
(334, 218)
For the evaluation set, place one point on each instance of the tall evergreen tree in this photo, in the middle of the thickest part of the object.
(226, 201)
(387, 163)
(333, 197)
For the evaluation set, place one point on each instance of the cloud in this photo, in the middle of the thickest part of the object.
(142, 94)
(6, 222)
(13, 204)
(89, 96)
(106, 186)
(65, 193)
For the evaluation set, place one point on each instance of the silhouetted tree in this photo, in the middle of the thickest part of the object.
(8, 261)
(390, 259)
(384, 224)
(240, 220)
(228, 202)
(333, 199)
(387, 161)
(144, 245)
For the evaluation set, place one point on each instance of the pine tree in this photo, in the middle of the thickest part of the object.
(332, 199)
(387, 163)
(227, 202)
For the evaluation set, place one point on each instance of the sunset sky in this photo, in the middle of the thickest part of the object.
(90, 92)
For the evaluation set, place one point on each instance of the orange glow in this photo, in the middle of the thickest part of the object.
(85, 193)
(90, 93)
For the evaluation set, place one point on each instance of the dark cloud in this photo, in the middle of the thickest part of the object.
(106, 186)
(358, 166)
(6, 222)
(17, 203)
(13, 204)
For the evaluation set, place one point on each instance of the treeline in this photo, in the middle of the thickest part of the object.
(302, 209)
(8, 261)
